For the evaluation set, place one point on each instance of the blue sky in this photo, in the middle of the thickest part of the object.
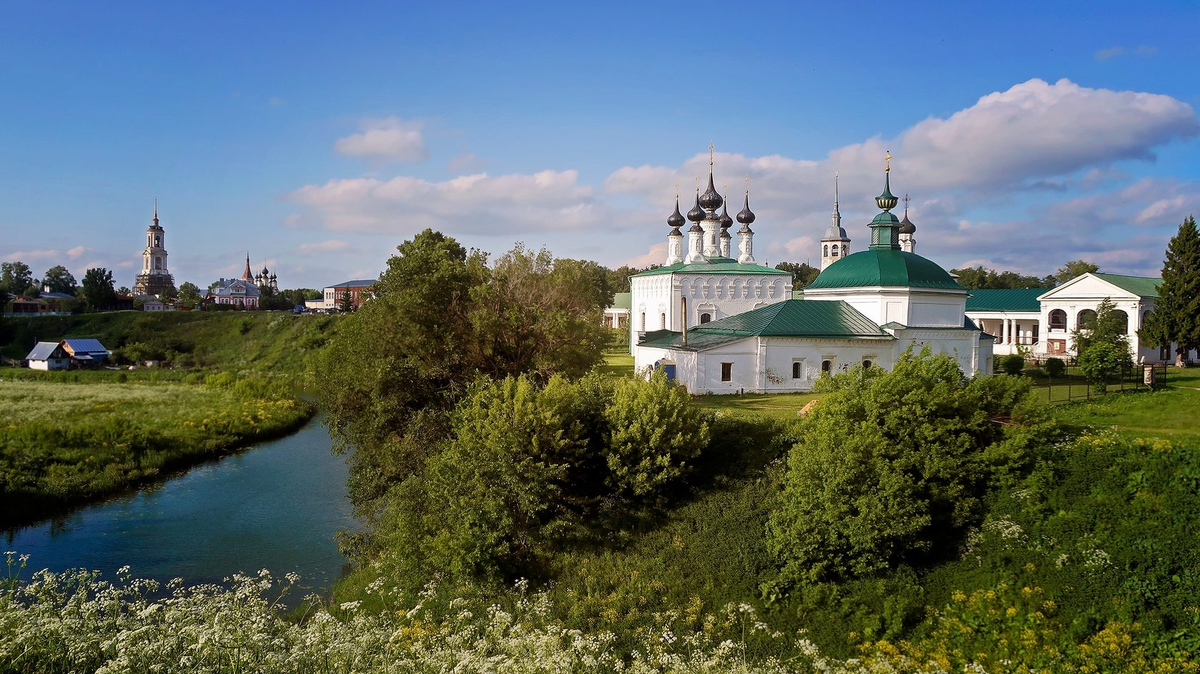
(317, 137)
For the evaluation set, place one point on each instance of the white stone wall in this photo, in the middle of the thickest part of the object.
(718, 295)
(1087, 292)
(906, 306)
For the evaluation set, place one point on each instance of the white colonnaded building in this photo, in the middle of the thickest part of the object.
(722, 325)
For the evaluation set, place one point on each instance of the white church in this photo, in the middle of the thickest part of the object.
(719, 324)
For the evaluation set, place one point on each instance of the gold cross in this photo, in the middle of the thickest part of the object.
(887, 161)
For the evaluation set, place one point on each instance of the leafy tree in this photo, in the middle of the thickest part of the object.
(1176, 315)
(802, 273)
(1055, 367)
(124, 290)
(1012, 364)
(894, 468)
(981, 277)
(15, 277)
(618, 279)
(1107, 326)
(345, 302)
(1102, 361)
(1073, 269)
(59, 280)
(189, 294)
(98, 293)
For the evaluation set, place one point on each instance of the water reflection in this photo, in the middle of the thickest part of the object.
(275, 506)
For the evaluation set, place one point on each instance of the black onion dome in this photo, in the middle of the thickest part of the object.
(710, 200)
(746, 216)
(906, 225)
(696, 227)
(726, 221)
(697, 213)
(676, 219)
(725, 234)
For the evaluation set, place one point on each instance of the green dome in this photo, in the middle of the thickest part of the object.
(884, 267)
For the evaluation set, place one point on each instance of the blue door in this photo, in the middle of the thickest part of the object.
(670, 370)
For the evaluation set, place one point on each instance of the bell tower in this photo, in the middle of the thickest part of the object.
(155, 278)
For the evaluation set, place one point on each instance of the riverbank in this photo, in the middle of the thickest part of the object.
(64, 442)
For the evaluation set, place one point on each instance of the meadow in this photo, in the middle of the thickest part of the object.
(63, 442)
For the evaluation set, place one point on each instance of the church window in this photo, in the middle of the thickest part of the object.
(835, 251)
(643, 321)
(866, 365)
(826, 250)
(797, 369)
(663, 317)
(157, 242)
(1058, 320)
(845, 250)
(705, 317)
(726, 371)
(827, 366)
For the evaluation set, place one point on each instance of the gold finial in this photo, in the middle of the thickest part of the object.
(887, 161)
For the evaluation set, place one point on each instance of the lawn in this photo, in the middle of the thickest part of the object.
(1169, 413)
(63, 442)
(781, 406)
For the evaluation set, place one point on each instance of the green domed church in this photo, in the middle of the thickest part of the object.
(864, 308)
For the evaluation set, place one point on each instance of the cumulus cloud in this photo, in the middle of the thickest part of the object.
(656, 255)
(476, 203)
(388, 139)
(76, 252)
(31, 256)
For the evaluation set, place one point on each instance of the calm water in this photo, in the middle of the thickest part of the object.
(276, 506)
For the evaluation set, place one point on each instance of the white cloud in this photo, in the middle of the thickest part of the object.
(31, 256)
(1112, 52)
(388, 139)
(656, 255)
(477, 203)
(76, 252)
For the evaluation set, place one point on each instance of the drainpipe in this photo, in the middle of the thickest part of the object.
(683, 315)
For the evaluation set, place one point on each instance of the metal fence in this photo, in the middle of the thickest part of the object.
(1073, 385)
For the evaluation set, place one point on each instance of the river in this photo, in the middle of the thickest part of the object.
(276, 505)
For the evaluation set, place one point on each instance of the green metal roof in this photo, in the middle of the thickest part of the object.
(884, 267)
(1142, 286)
(790, 318)
(622, 301)
(1005, 299)
(714, 265)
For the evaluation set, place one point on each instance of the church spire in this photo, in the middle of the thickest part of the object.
(156, 212)
(247, 275)
(885, 228)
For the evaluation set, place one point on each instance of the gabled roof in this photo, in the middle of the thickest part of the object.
(622, 301)
(790, 318)
(42, 351)
(1005, 299)
(713, 265)
(1143, 286)
(78, 346)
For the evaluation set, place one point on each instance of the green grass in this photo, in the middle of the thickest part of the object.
(63, 442)
(1170, 413)
(779, 406)
(272, 344)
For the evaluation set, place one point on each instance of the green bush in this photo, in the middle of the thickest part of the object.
(1012, 364)
(1102, 361)
(894, 469)
(1055, 367)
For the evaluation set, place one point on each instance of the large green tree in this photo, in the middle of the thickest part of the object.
(802, 273)
(440, 317)
(894, 468)
(59, 280)
(1176, 315)
(189, 294)
(15, 277)
(98, 292)
(1073, 269)
(982, 277)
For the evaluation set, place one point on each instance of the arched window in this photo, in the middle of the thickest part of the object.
(643, 321)
(705, 317)
(797, 370)
(1124, 321)
(845, 249)
(835, 250)
(827, 366)
(866, 365)
(1086, 319)
(1058, 320)
(826, 250)
(663, 317)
